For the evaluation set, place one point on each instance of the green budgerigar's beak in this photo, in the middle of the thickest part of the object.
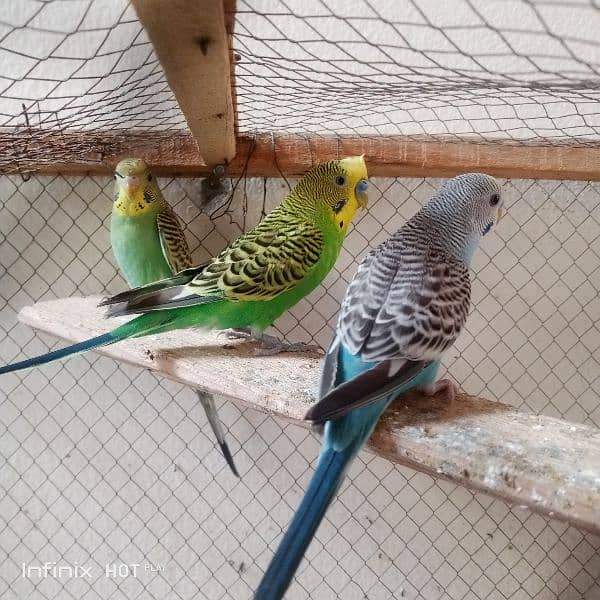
(132, 184)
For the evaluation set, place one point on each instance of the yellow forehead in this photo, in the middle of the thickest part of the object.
(131, 166)
(355, 167)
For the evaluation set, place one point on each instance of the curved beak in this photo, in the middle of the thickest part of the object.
(132, 183)
(501, 213)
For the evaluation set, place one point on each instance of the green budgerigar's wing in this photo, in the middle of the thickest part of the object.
(262, 264)
(172, 240)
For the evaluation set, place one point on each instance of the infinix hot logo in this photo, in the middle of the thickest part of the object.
(55, 570)
(63, 571)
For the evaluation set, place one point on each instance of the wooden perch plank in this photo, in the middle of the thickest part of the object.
(193, 47)
(550, 465)
(175, 153)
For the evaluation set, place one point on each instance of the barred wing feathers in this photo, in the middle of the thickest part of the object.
(406, 301)
(172, 240)
(263, 263)
(406, 304)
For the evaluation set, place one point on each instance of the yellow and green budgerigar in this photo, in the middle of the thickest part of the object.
(258, 277)
(149, 245)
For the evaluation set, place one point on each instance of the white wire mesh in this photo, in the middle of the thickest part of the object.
(106, 464)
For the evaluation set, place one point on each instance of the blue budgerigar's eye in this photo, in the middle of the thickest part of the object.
(340, 180)
(494, 199)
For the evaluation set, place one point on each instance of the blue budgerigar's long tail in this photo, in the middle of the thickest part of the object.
(321, 491)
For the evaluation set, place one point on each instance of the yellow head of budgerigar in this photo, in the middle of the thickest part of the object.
(136, 191)
(341, 185)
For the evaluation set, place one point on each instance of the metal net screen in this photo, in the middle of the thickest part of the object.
(514, 71)
(107, 466)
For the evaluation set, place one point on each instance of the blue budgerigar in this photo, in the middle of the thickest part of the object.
(405, 306)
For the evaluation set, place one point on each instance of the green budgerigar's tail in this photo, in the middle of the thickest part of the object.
(143, 325)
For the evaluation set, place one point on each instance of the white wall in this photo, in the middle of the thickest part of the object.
(104, 462)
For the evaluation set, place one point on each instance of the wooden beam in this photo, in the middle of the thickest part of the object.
(550, 465)
(175, 153)
(193, 47)
(229, 8)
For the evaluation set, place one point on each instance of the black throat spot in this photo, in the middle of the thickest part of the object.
(337, 207)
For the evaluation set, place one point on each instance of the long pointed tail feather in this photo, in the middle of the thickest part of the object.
(142, 325)
(208, 402)
(95, 342)
(321, 491)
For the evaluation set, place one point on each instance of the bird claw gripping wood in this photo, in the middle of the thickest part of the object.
(214, 189)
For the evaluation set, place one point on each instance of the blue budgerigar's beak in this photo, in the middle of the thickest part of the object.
(361, 192)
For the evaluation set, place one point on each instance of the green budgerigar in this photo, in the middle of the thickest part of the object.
(254, 280)
(146, 236)
(149, 244)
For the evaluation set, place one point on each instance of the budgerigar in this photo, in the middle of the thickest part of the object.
(258, 277)
(149, 245)
(405, 306)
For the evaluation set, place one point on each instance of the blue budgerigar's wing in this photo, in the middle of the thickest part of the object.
(330, 375)
(369, 386)
(405, 306)
(406, 301)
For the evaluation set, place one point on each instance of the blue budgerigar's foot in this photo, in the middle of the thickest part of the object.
(443, 388)
(269, 345)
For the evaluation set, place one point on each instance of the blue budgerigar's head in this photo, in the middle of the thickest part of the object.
(472, 201)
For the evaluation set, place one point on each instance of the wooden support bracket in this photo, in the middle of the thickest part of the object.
(549, 465)
(192, 44)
